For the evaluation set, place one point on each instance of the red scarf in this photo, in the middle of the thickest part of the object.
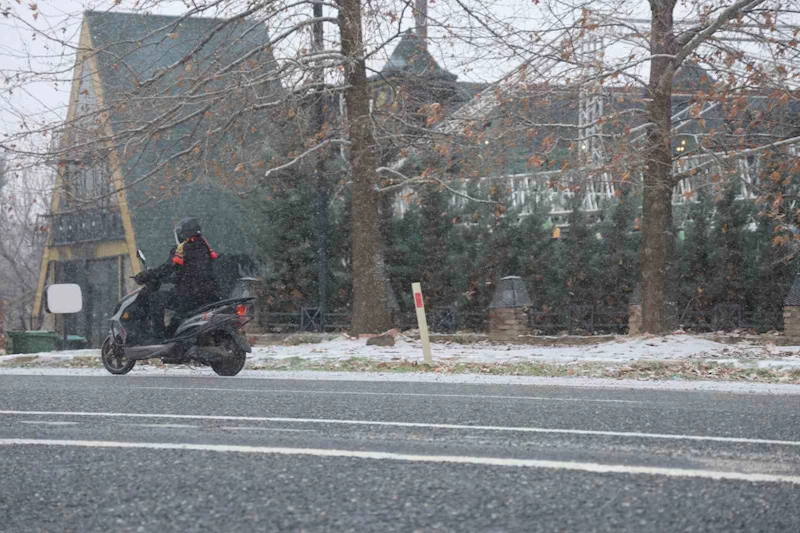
(177, 258)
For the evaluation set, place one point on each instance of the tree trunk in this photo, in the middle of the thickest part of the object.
(657, 201)
(370, 298)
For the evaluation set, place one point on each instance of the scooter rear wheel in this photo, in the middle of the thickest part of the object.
(233, 363)
(114, 360)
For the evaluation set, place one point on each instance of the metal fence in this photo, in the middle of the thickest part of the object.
(719, 318)
(572, 319)
(309, 319)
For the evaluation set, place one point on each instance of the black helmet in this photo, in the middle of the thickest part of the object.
(188, 227)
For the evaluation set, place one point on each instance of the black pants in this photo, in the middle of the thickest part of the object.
(181, 304)
(161, 301)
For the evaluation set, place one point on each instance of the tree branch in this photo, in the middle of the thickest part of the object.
(692, 39)
(296, 160)
(721, 157)
(423, 179)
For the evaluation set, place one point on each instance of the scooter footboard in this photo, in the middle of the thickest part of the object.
(140, 353)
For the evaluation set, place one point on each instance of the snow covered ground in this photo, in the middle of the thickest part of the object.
(621, 350)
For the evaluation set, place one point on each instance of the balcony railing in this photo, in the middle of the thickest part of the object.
(87, 225)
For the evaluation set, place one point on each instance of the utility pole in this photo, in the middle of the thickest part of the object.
(322, 193)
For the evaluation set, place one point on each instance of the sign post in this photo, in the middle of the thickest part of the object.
(64, 299)
(419, 304)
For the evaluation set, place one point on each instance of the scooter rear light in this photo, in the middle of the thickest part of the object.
(241, 310)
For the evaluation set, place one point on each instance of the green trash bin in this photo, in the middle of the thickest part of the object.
(32, 341)
(74, 342)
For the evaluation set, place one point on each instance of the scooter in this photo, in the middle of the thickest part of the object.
(211, 335)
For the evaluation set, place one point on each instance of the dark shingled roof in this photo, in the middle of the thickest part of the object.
(793, 299)
(132, 48)
(411, 57)
(692, 78)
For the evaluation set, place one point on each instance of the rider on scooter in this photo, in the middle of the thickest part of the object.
(190, 266)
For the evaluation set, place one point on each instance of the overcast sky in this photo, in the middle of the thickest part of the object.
(27, 49)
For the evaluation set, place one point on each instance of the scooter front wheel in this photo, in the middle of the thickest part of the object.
(114, 360)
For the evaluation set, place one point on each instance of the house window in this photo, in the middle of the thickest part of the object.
(87, 183)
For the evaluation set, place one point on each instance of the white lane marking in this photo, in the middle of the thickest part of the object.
(422, 377)
(518, 429)
(48, 423)
(164, 426)
(457, 459)
(250, 428)
(406, 394)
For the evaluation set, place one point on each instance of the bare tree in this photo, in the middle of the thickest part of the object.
(370, 298)
(671, 48)
(607, 92)
(24, 196)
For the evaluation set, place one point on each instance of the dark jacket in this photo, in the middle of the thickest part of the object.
(191, 265)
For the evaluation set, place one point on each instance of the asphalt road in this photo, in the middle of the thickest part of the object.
(214, 454)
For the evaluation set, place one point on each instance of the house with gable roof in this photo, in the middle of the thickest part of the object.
(134, 157)
(529, 139)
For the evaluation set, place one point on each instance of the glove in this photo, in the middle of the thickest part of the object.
(142, 277)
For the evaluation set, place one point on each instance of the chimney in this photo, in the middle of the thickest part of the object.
(421, 20)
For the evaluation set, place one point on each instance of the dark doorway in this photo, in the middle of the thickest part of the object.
(99, 281)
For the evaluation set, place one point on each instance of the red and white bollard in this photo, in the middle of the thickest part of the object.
(419, 304)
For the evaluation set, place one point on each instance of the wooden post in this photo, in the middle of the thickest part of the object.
(419, 304)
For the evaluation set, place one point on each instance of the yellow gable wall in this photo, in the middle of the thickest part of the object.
(125, 250)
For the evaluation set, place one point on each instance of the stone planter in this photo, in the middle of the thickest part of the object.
(506, 325)
(791, 312)
(508, 319)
